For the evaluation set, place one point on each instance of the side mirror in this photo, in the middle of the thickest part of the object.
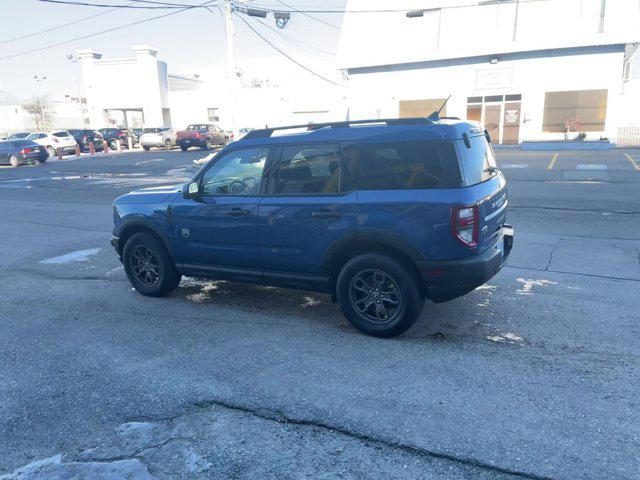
(190, 190)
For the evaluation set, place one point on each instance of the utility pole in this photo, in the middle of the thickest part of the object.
(231, 65)
(603, 9)
(38, 80)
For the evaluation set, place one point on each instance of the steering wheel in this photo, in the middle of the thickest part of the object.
(243, 187)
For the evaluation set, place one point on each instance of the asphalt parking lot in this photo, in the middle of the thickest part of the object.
(535, 375)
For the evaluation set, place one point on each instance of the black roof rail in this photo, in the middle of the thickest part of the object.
(267, 132)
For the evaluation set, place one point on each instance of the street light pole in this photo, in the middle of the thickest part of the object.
(73, 59)
(231, 65)
(38, 80)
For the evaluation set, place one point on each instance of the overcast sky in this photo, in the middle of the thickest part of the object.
(192, 41)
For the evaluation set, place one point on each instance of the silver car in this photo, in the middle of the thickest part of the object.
(164, 137)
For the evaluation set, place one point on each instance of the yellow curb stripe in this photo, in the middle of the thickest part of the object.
(553, 161)
(633, 162)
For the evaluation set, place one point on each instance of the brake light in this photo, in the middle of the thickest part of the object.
(120, 134)
(26, 150)
(464, 225)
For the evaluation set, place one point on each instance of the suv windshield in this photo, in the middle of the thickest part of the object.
(478, 163)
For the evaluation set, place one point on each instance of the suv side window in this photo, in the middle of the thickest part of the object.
(307, 169)
(60, 134)
(238, 172)
(399, 166)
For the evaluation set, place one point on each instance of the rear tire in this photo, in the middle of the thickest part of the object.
(378, 295)
(167, 145)
(184, 149)
(145, 148)
(13, 160)
(113, 145)
(149, 266)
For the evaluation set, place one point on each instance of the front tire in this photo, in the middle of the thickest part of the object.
(378, 295)
(167, 145)
(148, 265)
(146, 148)
(113, 145)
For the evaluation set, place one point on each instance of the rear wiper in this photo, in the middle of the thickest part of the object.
(491, 170)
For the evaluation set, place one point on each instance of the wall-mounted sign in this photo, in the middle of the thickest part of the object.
(511, 116)
(494, 78)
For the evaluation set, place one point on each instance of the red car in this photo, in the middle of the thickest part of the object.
(203, 135)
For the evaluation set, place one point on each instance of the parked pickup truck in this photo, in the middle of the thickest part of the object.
(203, 135)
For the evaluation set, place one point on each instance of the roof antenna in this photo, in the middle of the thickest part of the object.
(435, 116)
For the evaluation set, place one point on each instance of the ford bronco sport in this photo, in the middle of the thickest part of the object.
(380, 214)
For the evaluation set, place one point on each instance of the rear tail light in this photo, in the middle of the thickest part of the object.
(26, 150)
(464, 225)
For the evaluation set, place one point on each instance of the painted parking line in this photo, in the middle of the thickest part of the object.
(553, 161)
(591, 166)
(514, 165)
(635, 164)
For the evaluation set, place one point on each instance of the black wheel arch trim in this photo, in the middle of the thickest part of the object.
(373, 236)
(142, 224)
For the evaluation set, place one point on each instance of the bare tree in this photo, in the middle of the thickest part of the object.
(37, 106)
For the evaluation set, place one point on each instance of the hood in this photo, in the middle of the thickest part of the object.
(150, 195)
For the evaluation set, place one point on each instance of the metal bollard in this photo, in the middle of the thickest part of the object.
(118, 145)
(130, 142)
(59, 153)
(92, 149)
(77, 150)
(105, 147)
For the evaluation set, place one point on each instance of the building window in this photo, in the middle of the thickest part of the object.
(212, 114)
(576, 111)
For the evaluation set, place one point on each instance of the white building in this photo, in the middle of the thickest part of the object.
(526, 69)
(140, 91)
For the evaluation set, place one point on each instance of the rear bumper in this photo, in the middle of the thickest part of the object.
(447, 280)
(190, 142)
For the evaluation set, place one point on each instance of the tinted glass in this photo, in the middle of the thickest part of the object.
(307, 169)
(60, 134)
(476, 162)
(152, 130)
(76, 132)
(237, 173)
(401, 165)
(197, 127)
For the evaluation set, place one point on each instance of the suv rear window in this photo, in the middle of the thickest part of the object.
(401, 165)
(478, 162)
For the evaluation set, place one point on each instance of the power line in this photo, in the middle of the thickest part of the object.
(310, 16)
(15, 39)
(105, 31)
(285, 55)
(294, 41)
(156, 6)
(403, 10)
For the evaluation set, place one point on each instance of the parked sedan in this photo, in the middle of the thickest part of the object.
(85, 136)
(52, 141)
(158, 137)
(112, 135)
(21, 151)
(18, 135)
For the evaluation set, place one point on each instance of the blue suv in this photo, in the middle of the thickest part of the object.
(380, 214)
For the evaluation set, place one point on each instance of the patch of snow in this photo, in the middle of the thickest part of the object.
(528, 284)
(77, 256)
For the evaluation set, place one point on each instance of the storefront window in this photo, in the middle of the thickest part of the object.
(575, 111)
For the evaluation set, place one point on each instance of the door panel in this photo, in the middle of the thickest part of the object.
(492, 115)
(304, 211)
(217, 231)
(511, 124)
(219, 226)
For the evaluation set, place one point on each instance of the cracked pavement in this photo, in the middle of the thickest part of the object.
(533, 376)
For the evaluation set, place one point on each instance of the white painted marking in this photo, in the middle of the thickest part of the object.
(527, 285)
(591, 166)
(152, 160)
(505, 337)
(77, 256)
(514, 165)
